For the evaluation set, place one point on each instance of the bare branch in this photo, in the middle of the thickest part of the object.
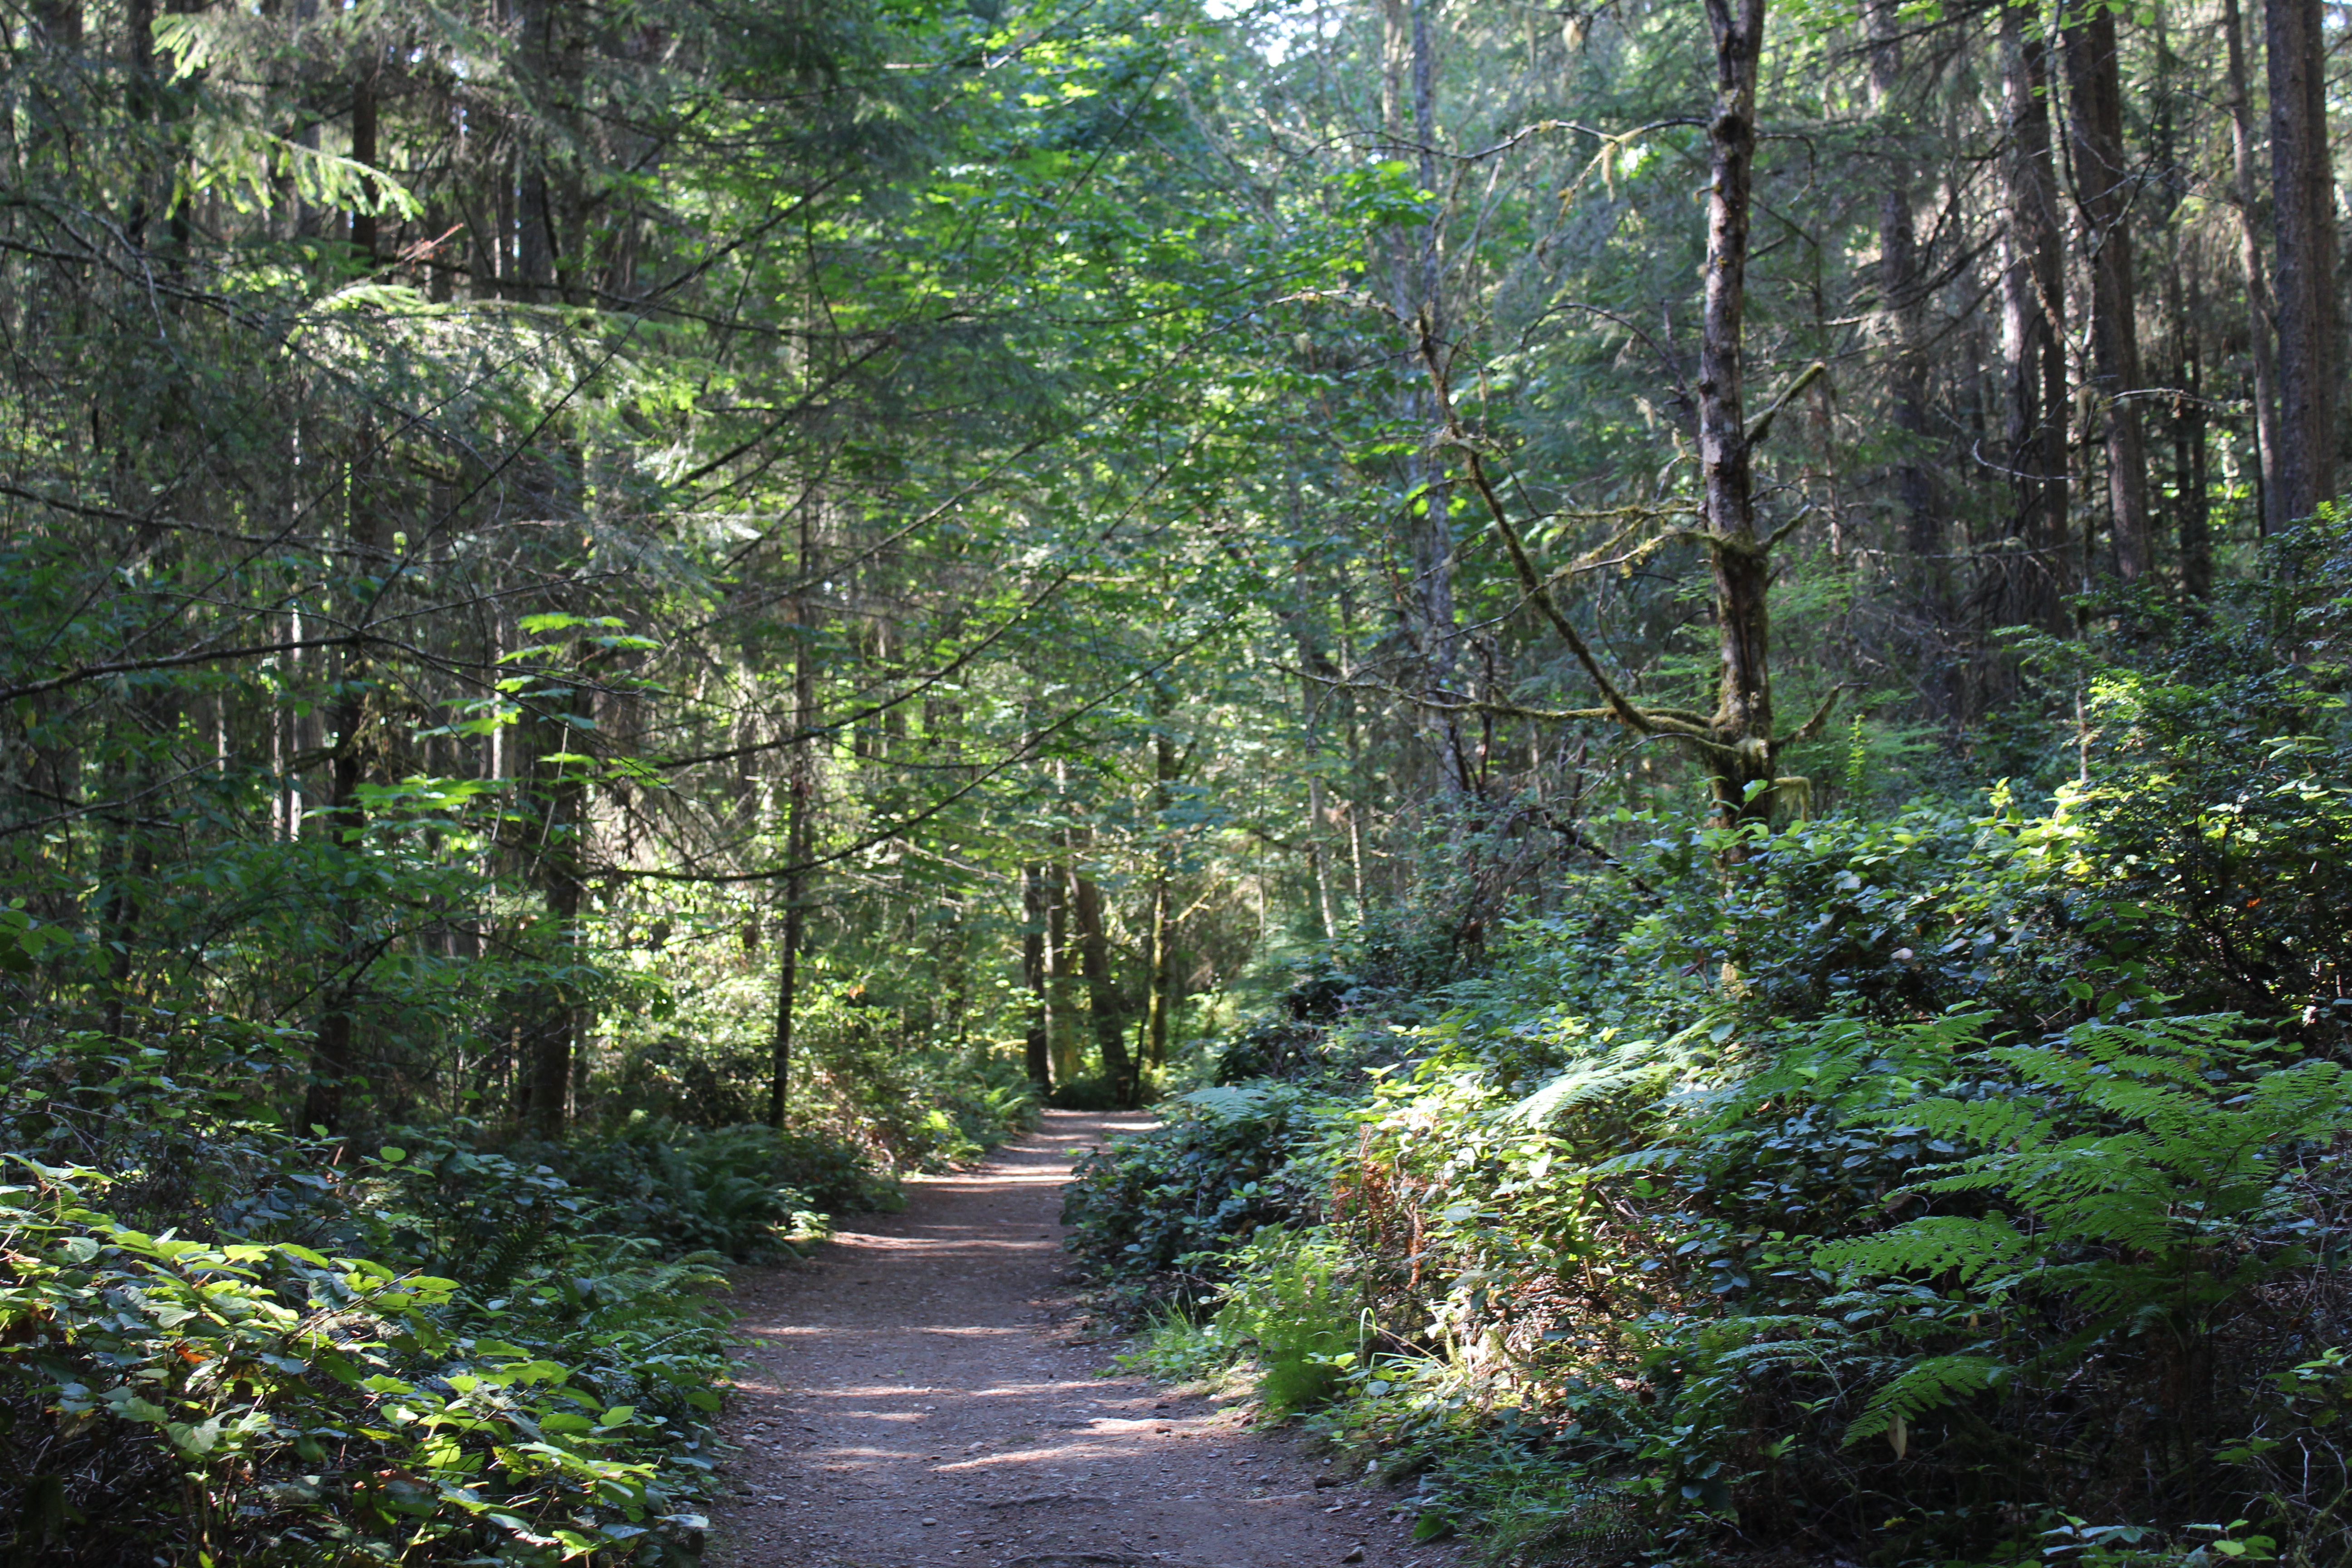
(1763, 424)
(1813, 726)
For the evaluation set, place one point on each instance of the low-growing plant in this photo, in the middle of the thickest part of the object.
(221, 1342)
(745, 1191)
(267, 1402)
(1288, 1301)
(1175, 1346)
(1156, 1212)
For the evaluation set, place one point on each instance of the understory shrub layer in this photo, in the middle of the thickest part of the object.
(1966, 1186)
(220, 1343)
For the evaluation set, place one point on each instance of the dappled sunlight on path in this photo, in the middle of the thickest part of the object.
(915, 1397)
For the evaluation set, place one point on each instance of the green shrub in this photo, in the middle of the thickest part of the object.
(220, 1340)
(271, 1402)
(742, 1190)
(1174, 1346)
(2130, 1186)
(1155, 1212)
(1287, 1299)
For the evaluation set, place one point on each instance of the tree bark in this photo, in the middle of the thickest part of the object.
(538, 246)
(1409, 66)
(2261, 318)
(1315, 669)
(2103, 179)
(1105, 1006)
(1900, 302)
(1743, 718)
(138, 54)
(2192, 531)
(1159, 996)
(334, 1047)
(2033, 332)
(550, 1022)
(364, 153)
(1037, 1044)
(800, 811)
(2302, 205)
(800, 820)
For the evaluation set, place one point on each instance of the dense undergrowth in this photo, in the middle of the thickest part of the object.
(221, 1342)
(1959, 1184)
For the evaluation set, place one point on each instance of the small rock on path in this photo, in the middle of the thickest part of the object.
(914, 1398)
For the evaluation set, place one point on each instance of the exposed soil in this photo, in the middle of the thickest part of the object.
(917, 1395)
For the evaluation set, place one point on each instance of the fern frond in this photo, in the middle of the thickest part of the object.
(1938, 1243)
(1581, 1086)
(493, 1271)
(1927, 1385)
(1658, 1157)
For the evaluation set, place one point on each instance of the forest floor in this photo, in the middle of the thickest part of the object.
(923, 1392)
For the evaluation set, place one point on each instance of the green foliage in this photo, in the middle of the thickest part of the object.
(743, 1191)
(866, 1098)
(1859, 1166)
(1175, 1345)
(2136, 1181)
(270, 1395)
(1174, 1200)
(1287, 1299)
(430, 1353)
(1537, 1517)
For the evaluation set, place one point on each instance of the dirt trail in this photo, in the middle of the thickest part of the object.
(913, 1397)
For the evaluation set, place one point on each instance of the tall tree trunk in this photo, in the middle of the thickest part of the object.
(2034, 330)
(1159, 996)
(550, 1022)
(1069, 1056)
(1105, 1006)
(334, 1047)
(364, 153)
(138, 54)
(800, 808)
(2302, 205)
(2195, 530)
(2192, 547)
(2103, 177)
(537, 246)
(800, 813)
(127, 863)
(2261, 320)
(1901, 298)
(1037, 1044)
(1742, 725)
(1316, 676)
(1409, 66)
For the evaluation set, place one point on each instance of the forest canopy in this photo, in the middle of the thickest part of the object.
(623, 620)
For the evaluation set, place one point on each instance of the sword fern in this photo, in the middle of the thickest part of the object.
(2133, 1172)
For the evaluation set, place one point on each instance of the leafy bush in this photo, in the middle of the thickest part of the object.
(2144, 1180)
(216, 1337)
(1175, 1346)
(1170, 1202)
(1858, 1184)
(742, 1190)
(1288, 1301)
(276, 1404)
(1737, 1326)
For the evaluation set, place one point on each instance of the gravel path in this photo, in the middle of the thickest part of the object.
(914, 1399)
